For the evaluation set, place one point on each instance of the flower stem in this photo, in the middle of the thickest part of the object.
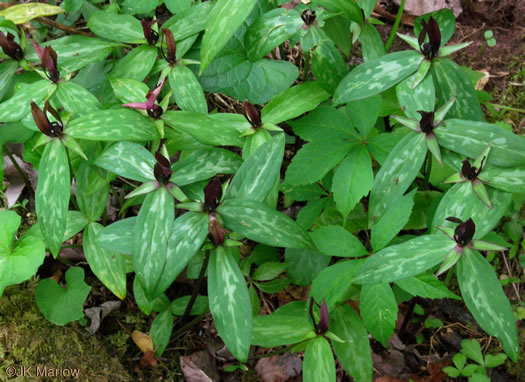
(197, 288)
(396, 25)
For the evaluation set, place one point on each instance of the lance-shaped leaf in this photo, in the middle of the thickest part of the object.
(293, 102)
(113, 125)
(506, 179)
(152, 230)
(75, 99)
(188, 233)
(404, 260)
(378, 308)
(397, 174)
(333, 240)
(376, 76)
(349, 9)
(354, 353)
(22, 13)
(118, 236)
(136, 64)
(204, 164)
(303, 265)
(18, 106)
(129, 90)
(372, 44)
(460, 201)
(258, 173)
(270, 30)
(160, 331)
(18, 262)
(426, 286)
(187, 90)
(52, 194)
(224, 20)
(111, 26)
(281, 329)
(470, 138)
(108, 266)
(261, 223)
(229, 301)
(91, 201)
(129, 160)
(7, 76)
(328, 66)
(486, 300)
(319, 363)
(190, 21)
(421, 98)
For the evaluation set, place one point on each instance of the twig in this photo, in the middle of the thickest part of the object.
(15, 163)
(510, 275)
(65, 28)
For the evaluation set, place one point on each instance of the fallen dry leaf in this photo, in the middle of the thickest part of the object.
(279, 368)
(143, 341)
(97, 314)
(199, 367)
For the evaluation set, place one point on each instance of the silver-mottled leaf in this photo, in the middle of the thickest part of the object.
(118, 236)
(76, 99)
(378, 308)
(319, 363)
(19, 105)
(129, 160)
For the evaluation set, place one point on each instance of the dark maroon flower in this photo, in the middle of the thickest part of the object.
(427, 121)
(471, 172)
(154, 111)
(162, 169)
(170, 55)
(322, 326)
(48, 60)
(51, 129)
(149, 34)
(252, 115)
(10, 47)
(215, 231)
(464, 232)
(212, 195)
(308, 16)
(431, 48)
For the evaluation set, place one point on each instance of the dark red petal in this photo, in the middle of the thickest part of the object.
(215, 229)
(434, 34)
(252, 114)
(161, 159)
(212, 194)
(323, 320)
(170, 42)
(454, 219)
(40, 119)
(423, 33)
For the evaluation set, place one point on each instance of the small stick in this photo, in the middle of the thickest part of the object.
(65, 28)
(20, 171)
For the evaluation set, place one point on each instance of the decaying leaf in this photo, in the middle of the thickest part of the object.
(199, 367)
(97, 314)
(279, 368)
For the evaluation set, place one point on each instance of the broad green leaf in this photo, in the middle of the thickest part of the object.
(421, 98)
(19, 105)
(426, 286)
(71, 6)
(319, 363)
(469, 138)
(178, 306)
(129, 90)
(111, 26)
(52, 194)
(118, 236)
(293, 102)
(506, 179)
(261, 223)
(224, 20)
(22, 13)
(7, 76)
(75, 99)
(303, 265)
(372, 45)
(352, 180)
(188, 233)
(310, 212)
(113, 125)
(268, 271)
(159, 304)
(450, 81)
(393, 221)
(229, 301)
(177, 6)
(203, 128)
(270, 30)
(404, 260)
(280, 329)
(380, 146)
(363, 113)
(460, 201)
(472, 349)
(354, 353)
(337, 28)
(333, 283)
(187, 90)
(75, 52)
(204, 164)
(495, 360)
(486, 300)
(63, 305)
(259, 81)
(108, 266)
(368, 7)
(257, 175)
(334, 240)
(190, 21)
(92, 203)
(129, 160)
(376, 76)
(350, 9)
(378, 308)
(328, 66)
(152, 230)
(139, 7)
(136, 64)
(20, 262)
(160, 331)
(396, 175)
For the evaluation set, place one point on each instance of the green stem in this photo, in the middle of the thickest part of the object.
(15, 163)
(306, 68)
(396, 25)
(187, 326)
(197, 287)
(508, 108)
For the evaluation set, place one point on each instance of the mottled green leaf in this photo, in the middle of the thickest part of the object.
(22, 13)
(506, 179)
(350, 9)
(75, 99)
(190, 21)
(160, 331)
(229, 301)
(108, 266)
(486, 300)
(261, 223)
(281, 329)
(136, 64)
(118, 236)
(19, 105)
(113, 125)
(187, 90)
(334, 240)
(159, 304)
(129, 160)
(426, 286)
(7, 76)
(328, 66)
(378, 308)
(404, 260)
(91, 203)
(421, 98)
(152, 230)
(376, 76)
(52, 194)
(111, 26)
(333, 283)
(128, 90)
(372, 45)
(63, 305)
(319, 363)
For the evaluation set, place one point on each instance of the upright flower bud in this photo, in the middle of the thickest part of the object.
(464, 232)
(10, 47)
(149, 34)
(431, 48)
(252, 115)
(215, 230)
(51, 129)
(48, 60)
(170, 55)
(162, 169)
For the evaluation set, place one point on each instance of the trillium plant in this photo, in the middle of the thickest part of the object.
(228, 164)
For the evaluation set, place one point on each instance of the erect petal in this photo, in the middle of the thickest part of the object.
(215, 229)
(150, 35)
(434, 34)
(51, 60)
(423, 33)
(323, 318)
(251, 114)
(137, 105)
(468, 171)
(170, 43)
(54, 113)
(40, 119)
(161, 159)
(212, 193)
(38, 49)
(152, 97)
